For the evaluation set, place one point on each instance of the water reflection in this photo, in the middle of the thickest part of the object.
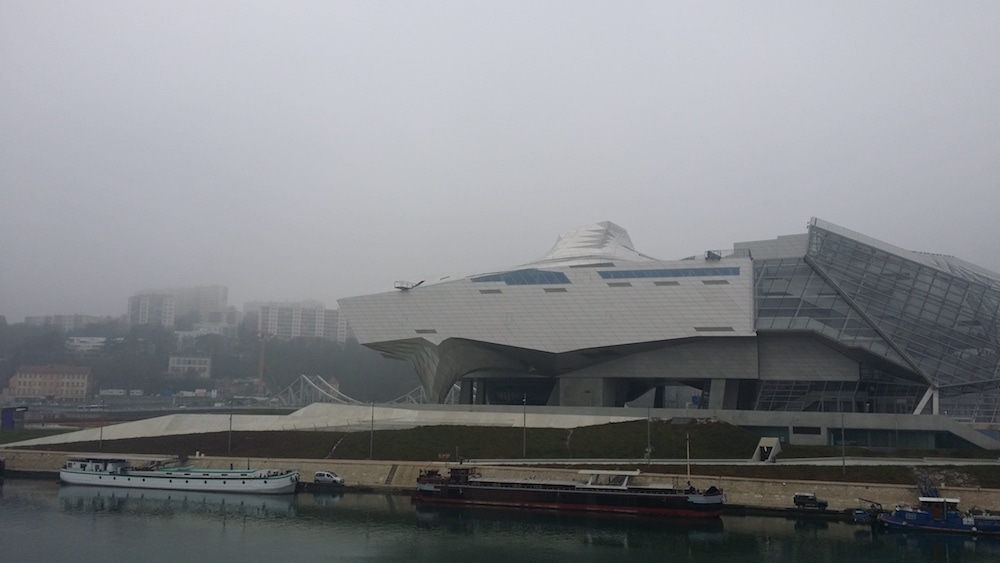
(325, 499)
(377, 527)
(81, 498)
(808, 526)
(597, 529)
(941, 547)
(592, 533)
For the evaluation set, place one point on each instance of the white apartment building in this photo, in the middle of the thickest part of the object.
(183, 365)
(151, 308)
(64, 322)
(292, 320)
(86, 345)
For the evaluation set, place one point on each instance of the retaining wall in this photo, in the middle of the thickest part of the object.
(401, 476)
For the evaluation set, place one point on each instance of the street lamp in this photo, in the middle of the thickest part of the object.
(524, 427)
(649, 445)
(371, 434)
(843, 444)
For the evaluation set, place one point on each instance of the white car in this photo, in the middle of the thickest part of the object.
(327, 478)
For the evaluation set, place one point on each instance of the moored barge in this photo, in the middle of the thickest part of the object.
(119, 472)
(603, 491)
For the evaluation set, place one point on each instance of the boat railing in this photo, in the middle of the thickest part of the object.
(608, 479)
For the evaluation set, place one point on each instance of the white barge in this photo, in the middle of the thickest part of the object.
(119, 472)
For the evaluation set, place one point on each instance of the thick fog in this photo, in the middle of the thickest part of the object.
(318, 150)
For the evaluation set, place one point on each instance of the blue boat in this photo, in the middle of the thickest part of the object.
(940, 515)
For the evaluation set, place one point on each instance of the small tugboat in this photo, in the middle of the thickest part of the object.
(867, 515)
(603, 491)
(940, 515)
(118, 472)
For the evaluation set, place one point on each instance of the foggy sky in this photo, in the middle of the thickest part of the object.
(318, 150)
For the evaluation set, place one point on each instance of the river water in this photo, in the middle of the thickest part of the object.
(43, 521)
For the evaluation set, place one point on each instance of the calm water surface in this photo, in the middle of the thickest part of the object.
(42, 521)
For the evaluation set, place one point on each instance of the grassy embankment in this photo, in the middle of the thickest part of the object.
(627, 440)
(11, 436)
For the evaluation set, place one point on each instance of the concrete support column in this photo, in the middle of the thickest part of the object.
(717, 394)
(582, 392)
(465, 392)
(932, 396)
(658, 398)
(480, 391)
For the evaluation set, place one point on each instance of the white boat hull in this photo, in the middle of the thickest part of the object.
(188, 480)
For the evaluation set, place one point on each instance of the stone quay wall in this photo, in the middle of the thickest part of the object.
(400, 476)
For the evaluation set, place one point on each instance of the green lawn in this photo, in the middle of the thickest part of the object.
(10, 436)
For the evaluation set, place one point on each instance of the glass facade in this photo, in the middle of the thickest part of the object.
(669, 273)
(525, 277)
(946, 326)
(932, 321)
(791, 295)
(874, 392)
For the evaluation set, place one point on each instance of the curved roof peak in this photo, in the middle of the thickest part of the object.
(602, 241)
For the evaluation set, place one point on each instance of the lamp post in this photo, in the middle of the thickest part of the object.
(102, 420)
(371, 434)
(687, 441)
(524, 427)
(843, 445)
(229, 446)
(649, 446)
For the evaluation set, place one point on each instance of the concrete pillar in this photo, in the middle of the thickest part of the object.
(465, 392)
(717, 394)
(581, 392)
(658, 397)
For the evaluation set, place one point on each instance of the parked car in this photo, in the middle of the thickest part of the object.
(809, 500)
(327, 478)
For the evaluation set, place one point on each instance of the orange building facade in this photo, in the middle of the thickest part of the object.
(50, 382)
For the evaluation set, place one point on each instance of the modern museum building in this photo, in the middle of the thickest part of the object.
(799, 335)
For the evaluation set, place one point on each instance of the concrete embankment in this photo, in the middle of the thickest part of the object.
(400, 476)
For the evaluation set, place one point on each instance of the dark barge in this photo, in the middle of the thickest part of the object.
(603, 492)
